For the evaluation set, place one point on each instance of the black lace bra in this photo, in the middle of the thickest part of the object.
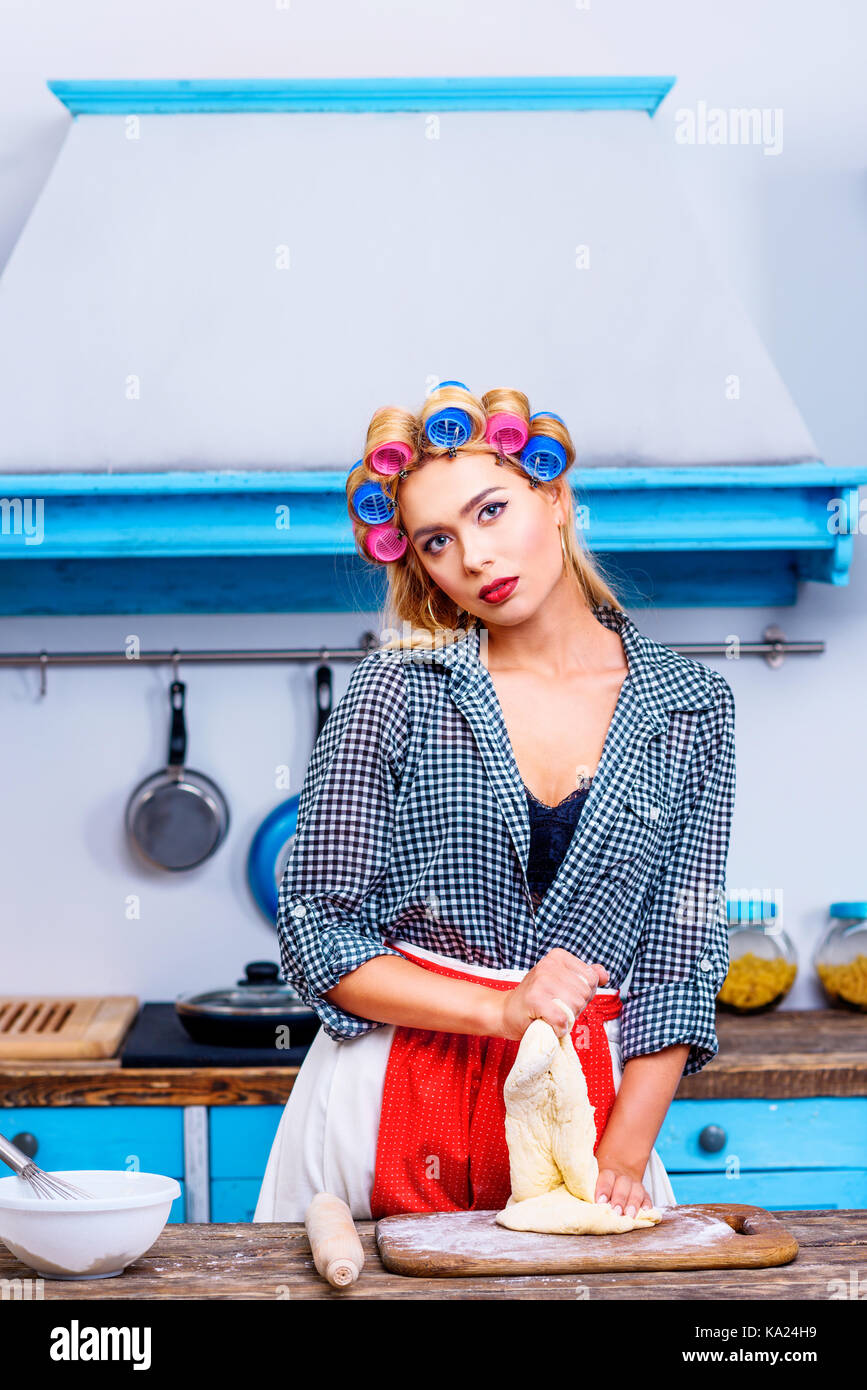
(551, 830)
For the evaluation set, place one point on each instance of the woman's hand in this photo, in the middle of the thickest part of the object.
(621, 1186)
(558, 975)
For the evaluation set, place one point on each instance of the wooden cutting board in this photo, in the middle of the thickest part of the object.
(709, 1236)
(41, 1027)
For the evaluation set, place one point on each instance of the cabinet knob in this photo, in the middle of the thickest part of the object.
(27, 1143)
(712, 1138)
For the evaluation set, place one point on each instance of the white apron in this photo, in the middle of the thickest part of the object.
(326, 1139)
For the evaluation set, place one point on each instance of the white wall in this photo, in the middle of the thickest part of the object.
(788, 230)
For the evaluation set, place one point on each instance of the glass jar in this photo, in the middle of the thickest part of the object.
(840, 958)
(763, 962)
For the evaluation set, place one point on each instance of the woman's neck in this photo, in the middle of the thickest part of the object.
(563, 638)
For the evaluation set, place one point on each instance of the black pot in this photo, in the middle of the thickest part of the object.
(259, 1011)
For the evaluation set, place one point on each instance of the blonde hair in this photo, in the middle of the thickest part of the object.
(412, 597)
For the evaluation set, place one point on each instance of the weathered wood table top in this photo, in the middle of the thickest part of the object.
(272, 1261)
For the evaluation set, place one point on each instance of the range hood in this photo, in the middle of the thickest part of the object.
(220, 282)
(212, 290)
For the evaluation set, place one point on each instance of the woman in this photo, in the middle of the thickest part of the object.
(442, 891)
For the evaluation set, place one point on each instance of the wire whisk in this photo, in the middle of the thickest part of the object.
(41, 1183)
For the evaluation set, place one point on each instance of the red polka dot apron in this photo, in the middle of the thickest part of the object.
(442, 1139)
(327, 1135)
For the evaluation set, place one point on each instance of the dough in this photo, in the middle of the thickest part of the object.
(559, 1213)
(550, 1131)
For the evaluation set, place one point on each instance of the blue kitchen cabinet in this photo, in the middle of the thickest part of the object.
(150, 1137)
(807, 1152)
(793, 1154)
(798, 1189)
(240, 1141)
(234, 1199)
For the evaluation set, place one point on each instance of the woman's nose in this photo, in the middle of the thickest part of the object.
(477, 562)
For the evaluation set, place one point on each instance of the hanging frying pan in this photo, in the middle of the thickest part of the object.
(272, 843)
(177, 817)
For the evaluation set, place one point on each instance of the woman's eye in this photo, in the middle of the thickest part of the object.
(492, 504)
(489, 506)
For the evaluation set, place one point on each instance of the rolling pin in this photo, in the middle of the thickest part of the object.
(337, 1252)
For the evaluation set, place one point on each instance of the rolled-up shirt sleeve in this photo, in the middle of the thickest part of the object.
(327, 919)
(683, 954)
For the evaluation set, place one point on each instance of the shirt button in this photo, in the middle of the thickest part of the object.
(704, 964)
(299, 910)
(654, 812)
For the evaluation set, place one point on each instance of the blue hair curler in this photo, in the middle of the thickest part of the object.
(450, 427)
(543, 457)
(372, 504)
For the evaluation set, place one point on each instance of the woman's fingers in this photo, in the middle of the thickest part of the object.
(574, 967)
(561, 965)
(604, 1183)
(620, 1194)
(601, 972)
(560, 984)
(636, 1198)
(567, 1017)
(624, 1194)
(561, 1010)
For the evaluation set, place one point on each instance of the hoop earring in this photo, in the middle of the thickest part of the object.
(563, 547)
(430, 610)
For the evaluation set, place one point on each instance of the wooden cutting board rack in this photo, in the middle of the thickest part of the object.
(50, 1027)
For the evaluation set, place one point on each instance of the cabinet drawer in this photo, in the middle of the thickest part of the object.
(178, 1208)
(806, 1132)
(241, 1137)
(800, 1189)
(149, 1137)
(234, 1199)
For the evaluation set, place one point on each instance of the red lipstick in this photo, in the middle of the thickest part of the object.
(499, 590)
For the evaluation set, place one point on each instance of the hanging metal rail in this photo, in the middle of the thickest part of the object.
(773, 647)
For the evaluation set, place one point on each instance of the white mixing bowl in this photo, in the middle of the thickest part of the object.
(74, 1238)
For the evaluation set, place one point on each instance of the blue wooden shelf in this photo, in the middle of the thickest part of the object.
(259, 541)
(262, 541)
(497, 93)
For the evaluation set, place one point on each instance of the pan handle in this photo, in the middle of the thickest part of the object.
(178, 736)
(323, 696)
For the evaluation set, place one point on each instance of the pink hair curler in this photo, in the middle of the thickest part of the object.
(385, 543)
(391, 457)
(507, 432)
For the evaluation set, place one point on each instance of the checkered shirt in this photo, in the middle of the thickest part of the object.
(413, 826)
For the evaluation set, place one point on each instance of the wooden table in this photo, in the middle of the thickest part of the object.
(272, 1261)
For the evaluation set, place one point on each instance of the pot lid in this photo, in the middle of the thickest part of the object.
(260, 992)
